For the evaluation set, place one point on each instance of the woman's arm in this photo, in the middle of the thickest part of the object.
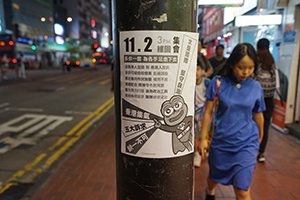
(209, 68)
(208, 72)
(259, 119)
(205, 127)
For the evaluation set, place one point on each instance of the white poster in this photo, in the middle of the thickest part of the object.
(158, 76)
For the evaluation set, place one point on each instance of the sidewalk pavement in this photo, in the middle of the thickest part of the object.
(90, 173)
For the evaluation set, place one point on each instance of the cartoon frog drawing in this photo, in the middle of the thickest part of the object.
(177, 122)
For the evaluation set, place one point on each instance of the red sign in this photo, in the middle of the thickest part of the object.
(212, 20)
(278, 117)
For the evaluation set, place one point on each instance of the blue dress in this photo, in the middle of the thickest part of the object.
(235, 143)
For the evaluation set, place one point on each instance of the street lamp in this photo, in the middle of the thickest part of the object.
(69, 19)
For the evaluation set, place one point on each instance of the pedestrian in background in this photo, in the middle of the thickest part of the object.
(218, 60)
(64, 63)
(204, 62)
(238, 127)
(266, 76)
(4, 67)
(22, 67)
(201, 84)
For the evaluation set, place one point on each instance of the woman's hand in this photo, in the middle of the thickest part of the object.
(203, 146)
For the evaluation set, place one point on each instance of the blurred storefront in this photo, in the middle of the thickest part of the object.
(212, 25)
(46, 30)
(279, 22)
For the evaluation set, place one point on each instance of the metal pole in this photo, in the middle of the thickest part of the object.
(150, 178)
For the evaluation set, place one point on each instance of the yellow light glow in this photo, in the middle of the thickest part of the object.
(16, 6)
(43, 19)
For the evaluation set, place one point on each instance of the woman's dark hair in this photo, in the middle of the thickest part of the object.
(239, 51)
(266, 59)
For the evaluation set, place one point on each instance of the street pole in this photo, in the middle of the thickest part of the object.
(143, 175)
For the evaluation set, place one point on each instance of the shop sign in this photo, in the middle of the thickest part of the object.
(278, 116)
(256, 20)
(212, 20)
(224, 3)
(54, 46)
(289, 37)
(231, 12)
(157, 93)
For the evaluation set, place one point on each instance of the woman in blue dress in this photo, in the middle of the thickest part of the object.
(238, 128)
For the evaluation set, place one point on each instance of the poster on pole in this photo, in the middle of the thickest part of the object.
(158, 76)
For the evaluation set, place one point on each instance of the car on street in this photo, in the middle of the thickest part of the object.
(103, 57)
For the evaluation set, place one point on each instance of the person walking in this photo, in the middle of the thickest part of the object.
(22, 67)
(266, 76)
(4, 67)
(201, 84)
(64, 63)
(218, 60)
(204, 62)
(238, 127)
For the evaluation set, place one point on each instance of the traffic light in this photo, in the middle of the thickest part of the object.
(95, 47)
(33, 47)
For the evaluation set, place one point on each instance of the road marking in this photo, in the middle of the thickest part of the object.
(85, 120)
(94, 80)
(60, 89)
(32, 123)
(66, 79)
(26, 109)
(78, 80)
(104, 82)
(77, 112)
(90, 81)
(4, 104)
(52, 78)
(78, 135)
(82, 126)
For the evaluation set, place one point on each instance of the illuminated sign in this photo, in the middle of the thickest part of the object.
(59, 40)
(58, 29)
(223, 3)
(255, 20)
(23, 40)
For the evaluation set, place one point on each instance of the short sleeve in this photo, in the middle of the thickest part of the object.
(260, 102)
(211, 90)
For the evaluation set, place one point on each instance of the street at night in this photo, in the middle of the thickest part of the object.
(46, 117)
